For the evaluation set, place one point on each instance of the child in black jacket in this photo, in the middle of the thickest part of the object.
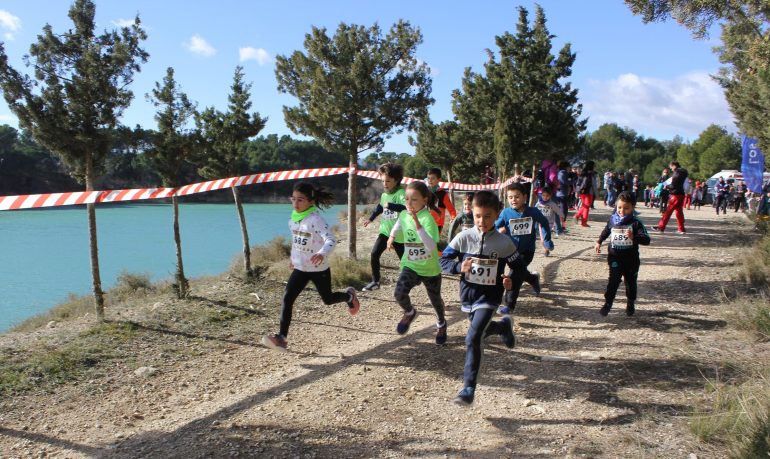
(626, 233)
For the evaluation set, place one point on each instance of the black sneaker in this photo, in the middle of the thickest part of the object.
(465, 397)
(605, 309)
(441, 333)
(405, 322)
(630, 309)
(371, 286)
(509, 338)
(656, 229)
(536, 285)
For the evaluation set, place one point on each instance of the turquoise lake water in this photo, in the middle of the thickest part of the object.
(44, 253)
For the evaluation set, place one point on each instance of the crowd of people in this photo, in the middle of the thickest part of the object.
(493, 246)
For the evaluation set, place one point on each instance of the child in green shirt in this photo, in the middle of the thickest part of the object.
(391, 204)
(420, 261)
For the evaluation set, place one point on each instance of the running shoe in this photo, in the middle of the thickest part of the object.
(509, 338)
(504, 310)
(630, 309)
(441, 333)
(605, 309)
(656, 229)
(681, 232)
(405, 322)
(275, 342)
(536, 285)
(371, 286)
(353, 305)
(465, 397)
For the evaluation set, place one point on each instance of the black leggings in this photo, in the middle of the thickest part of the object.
(297, 282)
(628, 270)
(519, 275)
(380, 244)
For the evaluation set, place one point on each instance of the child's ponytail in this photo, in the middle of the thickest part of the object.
(323, 198)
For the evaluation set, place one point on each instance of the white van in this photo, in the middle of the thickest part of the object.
(731, 176)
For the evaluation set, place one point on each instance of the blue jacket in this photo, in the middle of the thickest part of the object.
(525, 242)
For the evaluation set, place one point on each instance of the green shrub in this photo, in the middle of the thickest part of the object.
(75, 306)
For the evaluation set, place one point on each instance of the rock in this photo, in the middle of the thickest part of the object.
(145, 371)
(692, 456)
(555, 358)
(51, 324)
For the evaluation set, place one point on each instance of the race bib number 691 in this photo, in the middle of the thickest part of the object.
(483, 272)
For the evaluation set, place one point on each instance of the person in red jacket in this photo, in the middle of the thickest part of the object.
(442, 198)
(675, 199)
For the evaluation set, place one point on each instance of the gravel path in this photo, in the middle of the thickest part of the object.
(575, 385)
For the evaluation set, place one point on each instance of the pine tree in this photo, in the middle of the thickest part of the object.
(355, 90)
(172, 147)
(78, 94)
(223, 138)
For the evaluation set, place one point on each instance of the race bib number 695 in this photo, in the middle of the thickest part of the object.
(520, 226)
(416, 252)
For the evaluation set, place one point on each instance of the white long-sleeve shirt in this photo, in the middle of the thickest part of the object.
(311, 236)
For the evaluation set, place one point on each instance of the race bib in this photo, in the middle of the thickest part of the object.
(520, 226)
(301, 241)
(388, 214)
(483, 272)
(619, 238)
(416, 251)
(546, 211)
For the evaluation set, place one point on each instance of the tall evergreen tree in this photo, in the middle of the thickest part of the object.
(523, 108)
(745, 51)
(223, 137)
(79, 91)
(355, 90)
(173, 146)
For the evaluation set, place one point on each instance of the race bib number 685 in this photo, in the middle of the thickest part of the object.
(619, 237)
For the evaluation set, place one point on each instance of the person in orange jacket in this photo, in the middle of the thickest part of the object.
(442, 198)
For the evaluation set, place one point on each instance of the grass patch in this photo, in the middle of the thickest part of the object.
(347, 272)
(750, 314)
(46, 366)
(738, 416)
(75, 306)
(755, 270)
(262, 257)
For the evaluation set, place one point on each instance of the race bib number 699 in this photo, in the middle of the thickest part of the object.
(520, 226)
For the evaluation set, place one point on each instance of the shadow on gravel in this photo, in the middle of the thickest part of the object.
(168, 331)
(49, 440)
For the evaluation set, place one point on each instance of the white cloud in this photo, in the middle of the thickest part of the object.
(199, 45)
(256, 54)
(10, 23)
(658, 108)
(123, 22)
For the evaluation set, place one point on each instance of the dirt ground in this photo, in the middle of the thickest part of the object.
(576, 384)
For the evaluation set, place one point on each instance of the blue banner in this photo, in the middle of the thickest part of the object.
(753, 164)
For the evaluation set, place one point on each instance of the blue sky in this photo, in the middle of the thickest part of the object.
(652, 78)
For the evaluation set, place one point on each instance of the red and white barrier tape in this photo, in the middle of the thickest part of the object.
(32, 201)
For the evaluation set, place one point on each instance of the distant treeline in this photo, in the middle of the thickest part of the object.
(28, 168)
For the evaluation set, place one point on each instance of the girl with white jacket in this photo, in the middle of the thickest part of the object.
(311, 243)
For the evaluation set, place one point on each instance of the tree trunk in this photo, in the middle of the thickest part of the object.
(451, 191)
(532, 193)
(96, 277)
(352, 206)
(181, 280)
(244, 233)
